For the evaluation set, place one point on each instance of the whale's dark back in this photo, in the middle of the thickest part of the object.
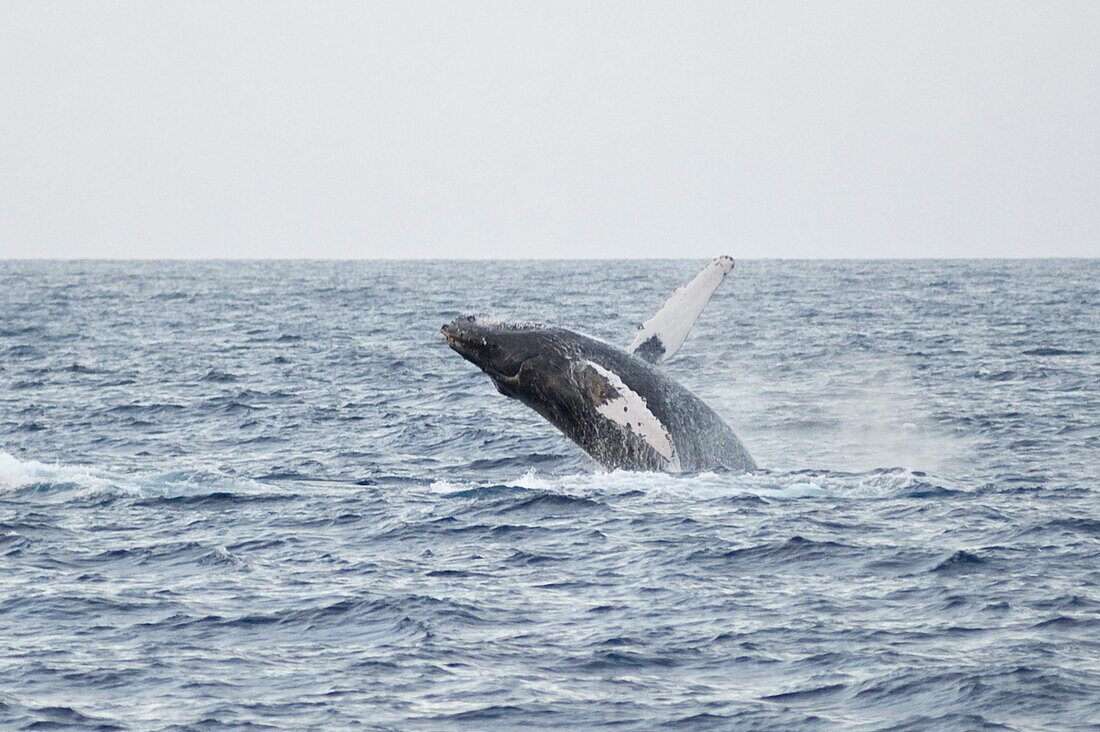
(702, 439)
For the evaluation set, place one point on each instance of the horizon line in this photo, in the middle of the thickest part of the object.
(546, 259)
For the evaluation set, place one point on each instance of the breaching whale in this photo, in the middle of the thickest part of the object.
(616, 404)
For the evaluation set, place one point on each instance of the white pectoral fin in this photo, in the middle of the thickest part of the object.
(625, 407)
(664, 333)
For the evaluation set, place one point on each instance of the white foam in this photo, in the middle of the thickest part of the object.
(12, 472)
(445, 486)
(70, 481)
(531, 480)
(710, 486)
(15, 473)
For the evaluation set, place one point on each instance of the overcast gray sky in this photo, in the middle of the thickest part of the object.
(549, 129)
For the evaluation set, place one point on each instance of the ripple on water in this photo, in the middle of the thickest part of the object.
(265, 494)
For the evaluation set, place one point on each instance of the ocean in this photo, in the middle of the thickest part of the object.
(267, 495)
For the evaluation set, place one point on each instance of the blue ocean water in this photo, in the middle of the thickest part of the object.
(251, 494)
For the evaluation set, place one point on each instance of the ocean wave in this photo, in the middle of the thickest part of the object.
(266, 494)
(36, 480)
(769, 485)
(31, 474)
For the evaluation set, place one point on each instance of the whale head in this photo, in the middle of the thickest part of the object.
(501, 350)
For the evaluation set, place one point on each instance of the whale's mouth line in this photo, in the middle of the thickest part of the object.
(458, 343)
(464, 344)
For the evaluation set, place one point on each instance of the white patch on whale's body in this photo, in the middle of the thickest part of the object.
(629, 409)
(663, 334)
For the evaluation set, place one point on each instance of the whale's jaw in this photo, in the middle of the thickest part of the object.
(500, 350)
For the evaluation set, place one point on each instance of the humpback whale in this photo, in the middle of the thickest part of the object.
(616, 404)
